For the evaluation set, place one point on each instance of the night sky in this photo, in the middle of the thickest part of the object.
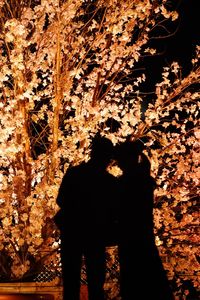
(180, 46)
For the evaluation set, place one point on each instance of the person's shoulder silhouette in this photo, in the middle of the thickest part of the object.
(101, 154)
(85, 193)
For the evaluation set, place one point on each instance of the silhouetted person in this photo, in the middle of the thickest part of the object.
(85, 199)
(142, 275)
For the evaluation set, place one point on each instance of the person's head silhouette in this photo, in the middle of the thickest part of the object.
(101, 151)
(128, 154)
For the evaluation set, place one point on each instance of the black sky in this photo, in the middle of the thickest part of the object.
(180, 46)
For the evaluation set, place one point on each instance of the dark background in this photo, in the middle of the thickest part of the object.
(180, 46)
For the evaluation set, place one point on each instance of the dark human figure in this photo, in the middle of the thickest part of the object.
(85, 220)
(142, 275)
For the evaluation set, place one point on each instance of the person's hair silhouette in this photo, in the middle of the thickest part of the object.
(101, 151)
(141, 269)
(84, 198)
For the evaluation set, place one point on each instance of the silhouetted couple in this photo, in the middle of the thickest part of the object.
(99, 210)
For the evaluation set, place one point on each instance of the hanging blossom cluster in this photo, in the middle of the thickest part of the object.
(68, 70)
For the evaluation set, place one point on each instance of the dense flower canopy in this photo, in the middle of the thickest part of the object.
(68, 70)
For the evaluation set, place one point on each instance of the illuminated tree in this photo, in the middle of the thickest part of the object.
(67, 68)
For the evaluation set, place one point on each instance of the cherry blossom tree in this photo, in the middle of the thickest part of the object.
(68, 69)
